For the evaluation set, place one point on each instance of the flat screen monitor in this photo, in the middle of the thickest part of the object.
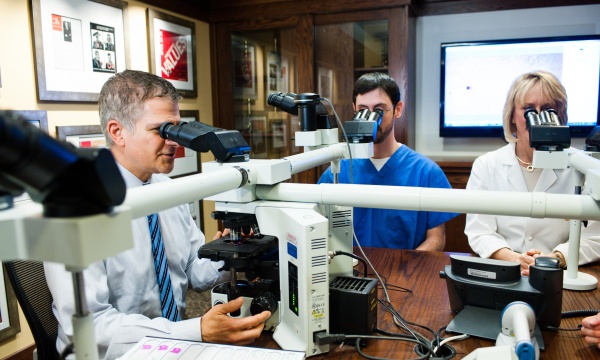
(476, 77)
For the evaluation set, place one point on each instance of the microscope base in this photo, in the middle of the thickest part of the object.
(582, 282)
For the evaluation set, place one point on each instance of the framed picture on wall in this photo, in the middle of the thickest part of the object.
(278, 134)
(37, 118)
(273, 71)
(258, 136)
(244, 62)
(9, 313)
(172, 50)
(78, 46)
(326, 83)
(84, 136)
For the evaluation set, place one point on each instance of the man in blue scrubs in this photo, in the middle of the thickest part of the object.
(392, 164)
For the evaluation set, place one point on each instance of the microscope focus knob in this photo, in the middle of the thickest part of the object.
(265, 301)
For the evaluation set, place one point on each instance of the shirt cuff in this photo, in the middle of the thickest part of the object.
(187, 330)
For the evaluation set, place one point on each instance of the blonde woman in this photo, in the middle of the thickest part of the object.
(509, 168)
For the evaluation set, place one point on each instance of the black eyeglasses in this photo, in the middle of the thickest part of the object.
(379, 109)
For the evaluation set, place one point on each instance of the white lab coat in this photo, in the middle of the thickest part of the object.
(499, 171)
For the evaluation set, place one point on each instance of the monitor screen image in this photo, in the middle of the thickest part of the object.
(476, 76)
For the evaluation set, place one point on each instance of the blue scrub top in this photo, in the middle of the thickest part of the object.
(400, 229)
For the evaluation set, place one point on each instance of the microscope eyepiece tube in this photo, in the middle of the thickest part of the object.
(532, 117)
(550, 117)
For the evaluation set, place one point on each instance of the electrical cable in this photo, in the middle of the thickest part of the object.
(577, 313)
(364, 263)
(401, 322)
(552, 328)
(447, 340)
(323, 338)
(68, 350)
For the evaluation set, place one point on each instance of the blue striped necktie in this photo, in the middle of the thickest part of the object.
(167, 301)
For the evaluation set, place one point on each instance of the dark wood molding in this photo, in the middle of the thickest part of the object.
(23, 354)
(244, 10)
(445, 7)
(198, 10)
(218, 11)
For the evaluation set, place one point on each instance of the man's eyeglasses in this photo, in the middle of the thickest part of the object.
(378, 109)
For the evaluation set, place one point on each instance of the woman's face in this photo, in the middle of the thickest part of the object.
(534, 99)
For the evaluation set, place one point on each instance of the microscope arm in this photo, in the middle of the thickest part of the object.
(536, 204)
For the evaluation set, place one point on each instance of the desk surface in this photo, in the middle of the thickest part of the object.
(428, 305)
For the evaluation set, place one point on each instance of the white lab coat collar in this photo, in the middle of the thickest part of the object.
(515, 178)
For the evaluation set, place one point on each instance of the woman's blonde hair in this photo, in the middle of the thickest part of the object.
(521, 87)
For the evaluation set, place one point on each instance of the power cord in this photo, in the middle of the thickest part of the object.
(572, 314)
(68, 350)
(323, 339)
(578, 313)
(334, 253)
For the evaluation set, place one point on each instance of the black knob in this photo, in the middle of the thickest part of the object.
(266, 301)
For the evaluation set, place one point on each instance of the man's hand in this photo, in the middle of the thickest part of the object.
(591, 329)
(218, 327)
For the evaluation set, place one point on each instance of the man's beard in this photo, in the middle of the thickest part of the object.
(381, 136)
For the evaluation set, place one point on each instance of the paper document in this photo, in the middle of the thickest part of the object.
(166, 349)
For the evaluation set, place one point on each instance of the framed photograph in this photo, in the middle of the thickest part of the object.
(278, 134)
(326, 83)
(273, 72)
(172, 50)
(85, 136)
(244, 61)
(37, 118)
(9, 313)
(78, 46)
(258, 136)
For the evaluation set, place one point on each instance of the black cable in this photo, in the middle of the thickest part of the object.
(364, 263)
(420, 338)
(67, 351)
(577, 313)
(552, 328)
(322, 338)
(408, 338)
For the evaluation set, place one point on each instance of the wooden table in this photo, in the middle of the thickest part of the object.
(428, 305)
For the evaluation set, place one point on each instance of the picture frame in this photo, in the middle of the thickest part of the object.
(258, 136)
(78, 46)
(273, 73)
(325, 85)
(82, 136)
(279, 137)
(37, 118)
(244, 76)
(171, 42)
(9, 310)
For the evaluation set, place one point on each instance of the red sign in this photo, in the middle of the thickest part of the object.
(173, 60)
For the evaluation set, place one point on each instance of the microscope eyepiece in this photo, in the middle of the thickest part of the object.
(283, 102)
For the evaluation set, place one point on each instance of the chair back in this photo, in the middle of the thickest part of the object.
(29, 282)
